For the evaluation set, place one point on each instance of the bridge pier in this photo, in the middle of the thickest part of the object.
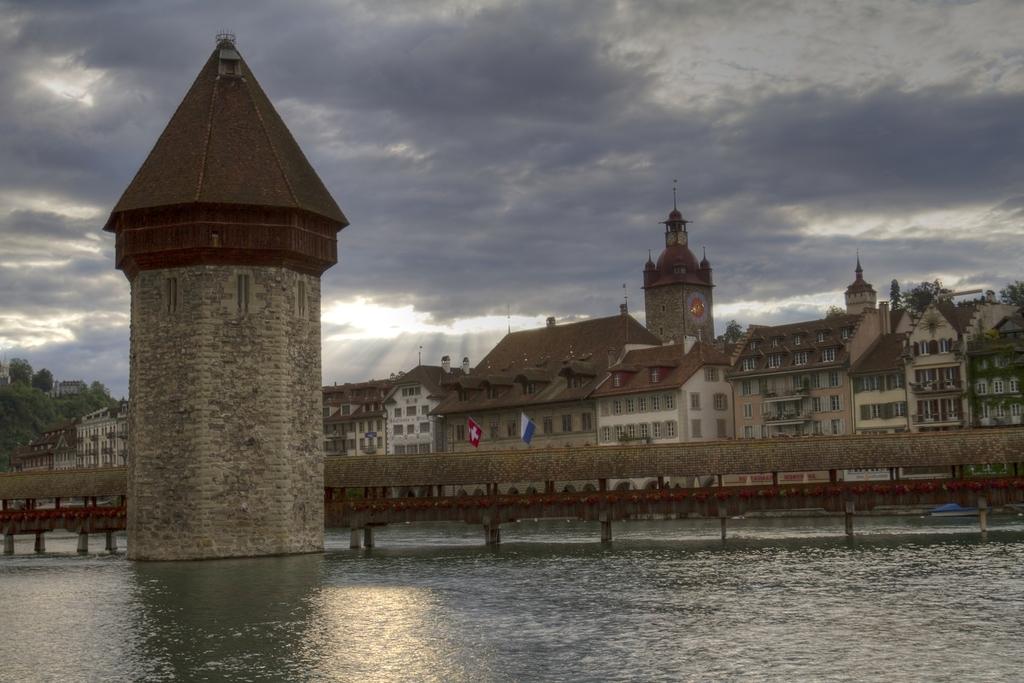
(723, 519)
(111, 544)
(355, 540)
(8, 544)
(40, 545)
(983, 515)
(848, 515)
(368, 536)
(492, 534)
(606, 528)
(83, 543)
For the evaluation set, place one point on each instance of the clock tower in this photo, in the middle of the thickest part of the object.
(677, 289)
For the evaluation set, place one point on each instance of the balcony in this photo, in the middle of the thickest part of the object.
(937, 387)
(787, 418)
(783, 396)
(939, 419)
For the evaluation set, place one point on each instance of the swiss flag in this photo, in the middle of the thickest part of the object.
(473, 432)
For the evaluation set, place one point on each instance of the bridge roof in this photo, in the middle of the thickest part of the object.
(682, 459)
(107, 481)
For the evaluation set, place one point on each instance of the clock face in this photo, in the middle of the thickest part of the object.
(697, 306)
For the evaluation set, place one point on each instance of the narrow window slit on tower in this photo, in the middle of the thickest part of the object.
(302, 298)
(243, 293)
(171, 294)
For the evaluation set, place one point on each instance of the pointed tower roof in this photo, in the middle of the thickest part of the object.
(226, 144)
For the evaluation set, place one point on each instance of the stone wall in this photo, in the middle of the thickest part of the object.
(665, 312)
(225, 421)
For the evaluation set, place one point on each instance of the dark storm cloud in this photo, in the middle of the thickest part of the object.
(519, 156)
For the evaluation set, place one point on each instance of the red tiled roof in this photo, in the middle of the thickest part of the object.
(226, 144)
(808, 331)
(885, 354)
(678, 367)
(549, 360)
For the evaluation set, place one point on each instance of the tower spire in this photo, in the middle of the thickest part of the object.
(674, 181)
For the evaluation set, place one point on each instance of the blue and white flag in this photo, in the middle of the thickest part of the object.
(526, 427)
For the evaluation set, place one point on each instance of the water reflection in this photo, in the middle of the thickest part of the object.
(242, 619)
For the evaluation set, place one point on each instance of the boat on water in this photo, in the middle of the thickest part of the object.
(953, 510)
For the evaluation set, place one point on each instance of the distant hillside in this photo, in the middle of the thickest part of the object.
(26, 411)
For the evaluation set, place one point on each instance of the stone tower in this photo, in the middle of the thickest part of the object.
(677, 290)
(223, 234)
(860, 294)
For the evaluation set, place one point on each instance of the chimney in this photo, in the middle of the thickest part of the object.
(446, 364)
(551, 321)
(990, 296)
(884, 321)
(612, 357)
(465, 365)
(623, 309)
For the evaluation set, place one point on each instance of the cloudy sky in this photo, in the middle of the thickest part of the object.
(514, 158)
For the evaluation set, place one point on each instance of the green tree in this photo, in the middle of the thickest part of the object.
(43, 380)
(20, 371)
(918, 298)
(1013, 293)
(833, 311)
(895, 298)
(732, 334)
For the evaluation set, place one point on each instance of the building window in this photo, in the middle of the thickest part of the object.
(586, 422)
(721, 402)
(981, 388)
(797, 340)
(548, 425)
(641, 404)
(800, 358)
(670, 402)
(606, 434)
(710, 374)
(655, 375)
(746, 387)
(749, 364)
(302, 298)
(656, 430)
(630, 405)
(835, 402)
(644, 431)
(616, 379)
(631, 431)
(945, 345)
(171, 294)
(775, 360)
(616, 407)
(243, 286)
(655, 402)
(398, 412)
(816, 404)
(748, 411)
(1014, 386)
(820, 337)
(828, 355)
(844, 333)
(835, 379)
(493, 429)
(410, 411)
(460, 432)
(510, 429)
(670, 429)
(997, 386)
(754, 345)
(1002, 361)
(695, 401)
(605, 407)
(531, 388)
(1015, 409)
(748, 432)
(695, 429)
(620, 432)
(567, 423)
(424, 409)
(836, 426)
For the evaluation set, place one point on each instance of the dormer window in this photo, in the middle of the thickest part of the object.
(655, 375)
(845, 332)
(749, 364)
(828, 355)
(797, 339)
(492, 392)
(754, 345)
(616, 379)
(820, 336)
(679, 270)
(531, 388)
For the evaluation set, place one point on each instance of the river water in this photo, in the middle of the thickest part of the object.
(784, 599)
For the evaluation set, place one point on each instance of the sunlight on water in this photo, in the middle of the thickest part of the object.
(907, 599)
